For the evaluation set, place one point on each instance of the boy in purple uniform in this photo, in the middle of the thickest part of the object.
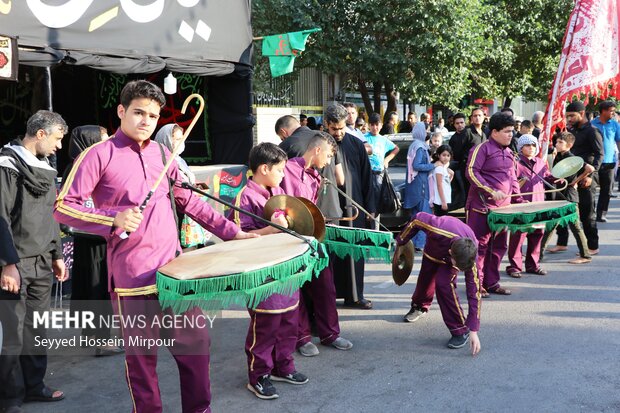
(301, 178)
(531, 171)
(491, 172)
(272, 333)
(450, 247)
(118, 174)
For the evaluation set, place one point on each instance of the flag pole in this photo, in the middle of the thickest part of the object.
(557, 81)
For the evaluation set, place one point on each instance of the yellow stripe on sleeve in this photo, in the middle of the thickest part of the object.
(471, 170)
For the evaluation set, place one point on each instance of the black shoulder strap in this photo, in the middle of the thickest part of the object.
(170, 183)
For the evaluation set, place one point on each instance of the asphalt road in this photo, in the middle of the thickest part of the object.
(553, 346)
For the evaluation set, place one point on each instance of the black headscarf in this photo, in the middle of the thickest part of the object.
(82, 137)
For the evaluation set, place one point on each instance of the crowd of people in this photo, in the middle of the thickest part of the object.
(481, 168)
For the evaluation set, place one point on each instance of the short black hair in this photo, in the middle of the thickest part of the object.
(349, 105)
(138, 89)
(302, 117)
(286, 122)
(606, 104)
(464, 253)
(440, 150)
(500, 120)
(566, 137)
(320, 137)
(459, 116)
(528, 124)
(424, 116)
(266, 153)
(508, 109)
(374, 118)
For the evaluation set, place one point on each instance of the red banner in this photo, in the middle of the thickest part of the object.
(8, 58)
(590, 61)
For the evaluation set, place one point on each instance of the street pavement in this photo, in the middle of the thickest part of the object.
(553, 346)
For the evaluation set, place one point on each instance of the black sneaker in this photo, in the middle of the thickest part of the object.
(292, 378)
(263, 389)
(414, 314)
(458, 341)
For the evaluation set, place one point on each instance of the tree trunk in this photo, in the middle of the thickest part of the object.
(507, 102)
(390, 94)
(376, 90)
(365, 96)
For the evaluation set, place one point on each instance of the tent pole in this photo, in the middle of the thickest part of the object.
(48, 88)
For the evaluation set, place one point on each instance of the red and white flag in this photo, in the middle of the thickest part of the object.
(590, 61)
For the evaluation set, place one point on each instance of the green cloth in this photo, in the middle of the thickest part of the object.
(283, 48)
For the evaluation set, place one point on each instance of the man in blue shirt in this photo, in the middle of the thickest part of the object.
(610, 130)
(383, 151)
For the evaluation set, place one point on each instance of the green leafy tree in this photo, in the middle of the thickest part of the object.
(429, 50)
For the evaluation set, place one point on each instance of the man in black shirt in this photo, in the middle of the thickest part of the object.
(589, 146)
(30, 252)
(461, 143)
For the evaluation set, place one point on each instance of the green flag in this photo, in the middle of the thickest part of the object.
(283, 48)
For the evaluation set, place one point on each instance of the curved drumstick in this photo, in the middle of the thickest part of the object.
(541, 192)
(175, 151)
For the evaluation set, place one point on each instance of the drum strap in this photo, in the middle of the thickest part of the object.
(170, 183)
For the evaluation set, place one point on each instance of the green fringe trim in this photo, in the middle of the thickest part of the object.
(358, 236)
(524, 222)
(247, 289)
(358, 252)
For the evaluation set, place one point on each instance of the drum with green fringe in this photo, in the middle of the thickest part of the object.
(358, 243)
(241, 272)
(529, 216)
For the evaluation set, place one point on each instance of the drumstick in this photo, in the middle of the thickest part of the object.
(541, 192)
(288, 231)
(547, 184)
(175, 152)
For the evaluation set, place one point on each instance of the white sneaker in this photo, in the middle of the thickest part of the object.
(341, 344)
(308, 350)
(414, 315)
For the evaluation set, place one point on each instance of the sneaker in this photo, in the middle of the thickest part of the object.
(458, 341)
(414, 314)
(292, 378)
(341, 344)
(263, 389)
(308, 350)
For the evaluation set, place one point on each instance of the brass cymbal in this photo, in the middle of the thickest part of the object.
(402, 263)
(298, 215)
(317, 216)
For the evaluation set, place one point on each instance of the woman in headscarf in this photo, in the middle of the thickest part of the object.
(89, 281)
(418, 167)
(191, 233)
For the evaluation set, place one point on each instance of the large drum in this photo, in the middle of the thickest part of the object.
(358, 243)
(529, 216)
(243, 272)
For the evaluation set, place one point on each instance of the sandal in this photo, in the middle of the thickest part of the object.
(500, 291)
(484, 293)
(537, 271)
(362, 304)
(45, 395)
(580, 260)
(557, 248)
(515, 274)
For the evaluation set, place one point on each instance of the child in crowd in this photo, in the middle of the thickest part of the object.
(531, 171)
(563, 145)
(440, 179)
(435, 142)
(383, 151)
(272, 333)
(416, 188)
